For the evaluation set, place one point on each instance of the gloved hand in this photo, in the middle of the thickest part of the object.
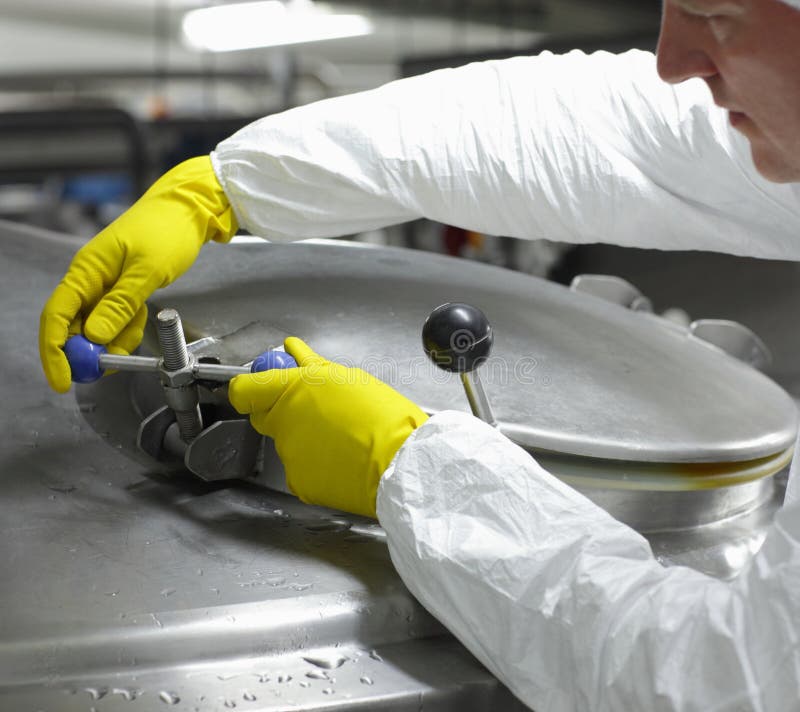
(336, 429)
(148, 247)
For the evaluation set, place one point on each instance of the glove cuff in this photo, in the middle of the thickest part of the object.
(195, 181)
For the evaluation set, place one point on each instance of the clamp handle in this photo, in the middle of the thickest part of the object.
(86, 360)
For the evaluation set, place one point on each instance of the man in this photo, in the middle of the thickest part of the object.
(564, 604)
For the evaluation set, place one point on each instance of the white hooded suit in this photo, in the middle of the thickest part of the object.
(565, 605)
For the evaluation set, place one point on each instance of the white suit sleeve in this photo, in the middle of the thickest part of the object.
(566, 605)
(575, 148)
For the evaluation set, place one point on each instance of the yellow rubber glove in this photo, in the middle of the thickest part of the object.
(336, 429)
(149, 246)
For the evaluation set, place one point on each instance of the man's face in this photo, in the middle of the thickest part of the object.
(748, 52)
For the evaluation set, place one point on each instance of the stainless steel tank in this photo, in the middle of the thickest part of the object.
(133, 584)
(661, 428)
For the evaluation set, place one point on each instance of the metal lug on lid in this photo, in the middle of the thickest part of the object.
(228, 449)
(734, 339)
(612, 289)
(152, 432)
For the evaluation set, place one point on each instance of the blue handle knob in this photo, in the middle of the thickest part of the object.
(272, 359)
(84, 359)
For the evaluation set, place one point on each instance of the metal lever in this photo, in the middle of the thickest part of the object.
(458, 338)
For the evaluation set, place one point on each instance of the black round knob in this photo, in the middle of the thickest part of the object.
(457, 337)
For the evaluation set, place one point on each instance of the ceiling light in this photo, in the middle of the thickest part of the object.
(271, 23)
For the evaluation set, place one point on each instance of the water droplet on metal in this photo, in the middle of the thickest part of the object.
(374, 655)
(301, 586)
(333, 525)
(262, 677)
(317, 674)
(275, 581)
(366, 680)
(304, 683)
(125, 693)
(229, 676)
(167, 592)
(327, 662)
(168, 698)
(63, 489)
(328, 691)
(249, 696)
(112, 593)
(221, 456)
(230, 704)
(97, 693)
(283, 677)
(199, 572)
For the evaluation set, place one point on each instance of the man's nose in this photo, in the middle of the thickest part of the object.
(681, 54)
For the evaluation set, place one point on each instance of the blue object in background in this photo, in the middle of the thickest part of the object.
(96, 189)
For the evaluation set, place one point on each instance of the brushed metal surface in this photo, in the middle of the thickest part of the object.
(129, 584)
(569, 372)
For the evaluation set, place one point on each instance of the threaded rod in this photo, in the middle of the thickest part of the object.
(176, 356)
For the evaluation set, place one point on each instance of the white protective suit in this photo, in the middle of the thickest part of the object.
(561, 602)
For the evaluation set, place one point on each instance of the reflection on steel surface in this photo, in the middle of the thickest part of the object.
(134, 584)
(616, 417)
(569, 373)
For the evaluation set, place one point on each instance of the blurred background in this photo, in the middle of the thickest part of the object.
(97, 99)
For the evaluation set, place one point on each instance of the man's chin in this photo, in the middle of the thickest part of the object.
(773, 166)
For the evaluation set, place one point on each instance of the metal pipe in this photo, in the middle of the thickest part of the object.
(150, 364)
(218, 372)
(118, 362)
(476, 395)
